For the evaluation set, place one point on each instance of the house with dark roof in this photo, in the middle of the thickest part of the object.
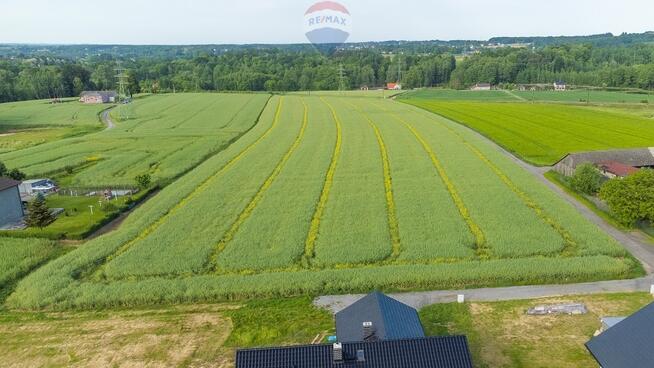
(636, 158)
(628, 343)
(98, 97)
(375, 332)
(378, 317)
(560, 86)
(11, 207)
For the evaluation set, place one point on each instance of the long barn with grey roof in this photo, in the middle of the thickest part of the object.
(638, 158)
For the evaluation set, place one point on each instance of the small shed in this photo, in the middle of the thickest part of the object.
(378, 317)
(32, 187)
(11, 206)
(98, 97)
(627, 344)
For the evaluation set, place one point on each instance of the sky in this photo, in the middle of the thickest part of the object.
(282, 21)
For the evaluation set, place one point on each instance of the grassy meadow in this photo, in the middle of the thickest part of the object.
(164, 136)
(339, 195)
(543, 133)
(501, 335)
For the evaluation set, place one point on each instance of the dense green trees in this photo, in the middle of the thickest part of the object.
(587, 179)
(288, 68)
(631, 199)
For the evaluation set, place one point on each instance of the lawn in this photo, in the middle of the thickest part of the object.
(543, 133)
(501, 335)
(77, 221)
(339, 195)
(165, 136)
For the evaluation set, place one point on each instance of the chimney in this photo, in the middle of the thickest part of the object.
(368, 332)
(338, 352)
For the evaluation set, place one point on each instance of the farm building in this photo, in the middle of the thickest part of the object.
(394, 86)
(32, 187)
(11, 207)
(560, 86)
(614, 169)
(627, 343)
(618, 159)
(482, 87)
(98, 97)
(375, 332)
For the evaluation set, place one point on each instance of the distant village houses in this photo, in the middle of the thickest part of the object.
(98, 97)
(482, 87)
(394, 86)
(560, 86)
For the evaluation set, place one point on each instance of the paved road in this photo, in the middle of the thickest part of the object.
(637, 244)
(418, 300)
(106, 119)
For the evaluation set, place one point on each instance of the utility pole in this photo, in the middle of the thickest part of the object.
(121, 80)
(341, 78)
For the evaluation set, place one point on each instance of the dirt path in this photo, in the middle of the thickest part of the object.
(106, 118)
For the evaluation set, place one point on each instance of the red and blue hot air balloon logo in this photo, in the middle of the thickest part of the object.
(327, 22)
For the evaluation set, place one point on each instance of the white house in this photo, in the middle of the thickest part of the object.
(560, 86)
(482, 87)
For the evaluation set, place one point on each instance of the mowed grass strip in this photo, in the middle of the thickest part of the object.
(274, 235)
(245, 214)
(354, 228)
(173, 220)
(544, 133)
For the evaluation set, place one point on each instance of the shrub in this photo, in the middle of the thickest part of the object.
(586, 179)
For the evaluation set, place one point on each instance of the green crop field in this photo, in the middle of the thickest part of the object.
(18, 256)
(544, 133)
(458, 95)
(331, 195)
(29, 123)
(164, 136)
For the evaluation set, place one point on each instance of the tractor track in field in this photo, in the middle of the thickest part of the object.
(634, 242)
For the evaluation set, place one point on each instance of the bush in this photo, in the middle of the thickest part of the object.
(631, 199)
(587, 179)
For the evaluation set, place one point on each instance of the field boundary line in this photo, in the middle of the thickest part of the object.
(247, 211)
(510, 93)
(393, 225)
(480, 239)
(312, 236)
(202, 187)
(570, 246)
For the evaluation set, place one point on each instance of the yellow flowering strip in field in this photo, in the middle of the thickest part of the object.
(310, 243)
(480, 239)
(570, 244)
(202, 187)
(393, 225)
(229, 235)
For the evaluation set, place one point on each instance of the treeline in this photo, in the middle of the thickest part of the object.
(626, 67)
(39, 77)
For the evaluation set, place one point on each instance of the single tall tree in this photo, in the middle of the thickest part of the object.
(39, 214)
